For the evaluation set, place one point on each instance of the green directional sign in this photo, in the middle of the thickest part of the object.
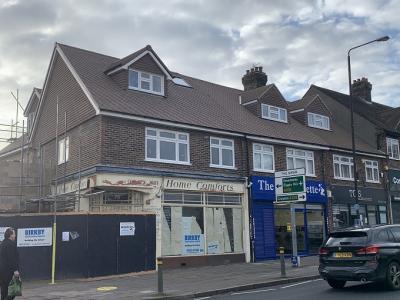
(290, 198)
(293, 184)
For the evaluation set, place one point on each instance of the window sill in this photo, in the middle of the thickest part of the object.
(264, 171)
(168, 162)
(223, 167)
(276, 120)
(376, 182)
(392, 158)
(61, 163)
(344, 179)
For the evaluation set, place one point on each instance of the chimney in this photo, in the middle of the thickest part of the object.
(362, 88)
(254, 78)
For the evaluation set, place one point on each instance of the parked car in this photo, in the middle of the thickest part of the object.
(362, 254)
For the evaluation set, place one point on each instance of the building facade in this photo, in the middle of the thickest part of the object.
(114, 135)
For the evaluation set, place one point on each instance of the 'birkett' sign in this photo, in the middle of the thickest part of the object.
(34, 237)
(263, 189)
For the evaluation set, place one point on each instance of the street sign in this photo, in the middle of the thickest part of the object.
(291, 197)
(289, 173)
(290, 186)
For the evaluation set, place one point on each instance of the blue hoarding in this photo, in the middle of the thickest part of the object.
(263, 189)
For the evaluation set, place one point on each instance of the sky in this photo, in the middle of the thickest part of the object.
(298, 43)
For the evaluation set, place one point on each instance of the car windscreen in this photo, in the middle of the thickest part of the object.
(348, 238)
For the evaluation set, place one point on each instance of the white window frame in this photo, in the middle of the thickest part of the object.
(176, 140)
(269, 114)
(337, 159)
(63, 157)
(309, 156)
(390, 143)
(220, 147)
(313, 118)
(263, 152)
(371, 164)
(150, 81)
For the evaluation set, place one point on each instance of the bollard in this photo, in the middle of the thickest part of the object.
(160, 282)
(282, 257)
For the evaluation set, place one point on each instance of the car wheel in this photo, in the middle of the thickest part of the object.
(393, 276)
(336, 284)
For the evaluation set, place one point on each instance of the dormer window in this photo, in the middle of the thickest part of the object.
(146, 82)
(273, 113)
(318, 121)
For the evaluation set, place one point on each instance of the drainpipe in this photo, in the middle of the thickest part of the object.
(250, 201)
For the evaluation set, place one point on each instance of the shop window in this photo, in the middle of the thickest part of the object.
(343, 167)
(362, 211)
(371, 214)
(182, 198)
(224, 230)
(340, 215)
(382, 214)
(263, 158)
(393, 148)
(191, 226)
(222, 153)
(183, 230)
(167, 146)
(223, 199)
(371, 171)
(116, 197)
(296, 159)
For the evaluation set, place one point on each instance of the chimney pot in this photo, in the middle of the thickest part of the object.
(362, 88)
(254, 78)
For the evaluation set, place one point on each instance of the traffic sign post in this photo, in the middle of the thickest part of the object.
(290, 187)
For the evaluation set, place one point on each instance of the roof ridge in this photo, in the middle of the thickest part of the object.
(82, 49)
(209, 82)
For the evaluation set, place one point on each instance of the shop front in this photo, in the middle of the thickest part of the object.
(272, 222)
(198, 221)
(394, 188)
(372, 206)
(203, 222)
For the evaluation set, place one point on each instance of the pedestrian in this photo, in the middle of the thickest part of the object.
(9, 262)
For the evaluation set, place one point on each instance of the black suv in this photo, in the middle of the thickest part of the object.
(362, 254)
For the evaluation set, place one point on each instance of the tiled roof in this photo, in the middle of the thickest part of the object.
(254, 94)
(205, 104)
(373, 111)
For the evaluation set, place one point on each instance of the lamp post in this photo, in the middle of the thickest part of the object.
(353, 148)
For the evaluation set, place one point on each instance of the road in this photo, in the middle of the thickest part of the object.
(316, 289)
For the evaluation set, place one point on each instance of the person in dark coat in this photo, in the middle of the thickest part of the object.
(9, 262)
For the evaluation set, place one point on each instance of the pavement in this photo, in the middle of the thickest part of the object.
(183, 283)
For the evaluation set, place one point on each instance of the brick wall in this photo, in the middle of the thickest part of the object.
(71, 99)
(123, 144)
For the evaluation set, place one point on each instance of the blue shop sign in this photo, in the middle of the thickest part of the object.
(263, 188)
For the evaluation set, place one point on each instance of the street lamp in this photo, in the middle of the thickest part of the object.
(353, 148)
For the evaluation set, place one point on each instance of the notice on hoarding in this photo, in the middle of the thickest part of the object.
(127, 228)
(213, 247)
(34, 237)
(193, 244)
(65, 236)
(2, 232)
